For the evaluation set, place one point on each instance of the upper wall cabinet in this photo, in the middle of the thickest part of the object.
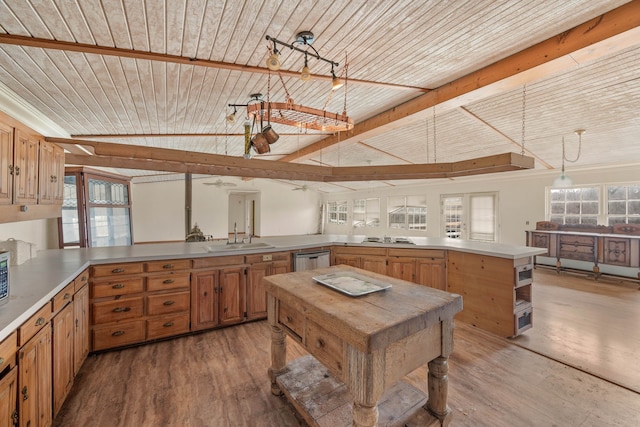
(31, 174)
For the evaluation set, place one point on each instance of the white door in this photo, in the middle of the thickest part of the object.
(471, 216)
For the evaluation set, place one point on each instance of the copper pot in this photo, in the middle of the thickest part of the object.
(260, 143)
(270, 134)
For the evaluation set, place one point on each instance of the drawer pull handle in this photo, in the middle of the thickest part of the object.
(1, 361)
(168, 324)
(320, 343)
(167, 266)
(118, 286)
(118, 270)
(121, 309)
(40, 321)
(288, 319)
(168, 281)
(67, 296)
(168, 302)
(117, 333)
(25, 394)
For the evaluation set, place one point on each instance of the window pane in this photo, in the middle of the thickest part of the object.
(109, 226)
(590, 208)
(634, 192)
(617, 208)
(589, 193)
(573, 208)
(634, 207)
(616, 193)
(482, 223)
(107, 193)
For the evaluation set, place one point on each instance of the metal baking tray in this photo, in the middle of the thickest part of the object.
(351, 283)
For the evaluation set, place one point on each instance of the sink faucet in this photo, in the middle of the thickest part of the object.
(235, 234)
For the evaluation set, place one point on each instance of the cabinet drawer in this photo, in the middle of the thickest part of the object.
(118, 335)
(116, 310)
(168, 265)
(120, 287)
(8, 349)
(117, 269)
(291, 319)
(34, 324)
(325, 346)
(272, 256)
(168, 303)
(80, 280)
(221, 261)
(63, 297)
(167, 326)
(523, 319)
(523, 275)
(168, 281)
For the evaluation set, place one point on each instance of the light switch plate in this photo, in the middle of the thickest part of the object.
(267, 257)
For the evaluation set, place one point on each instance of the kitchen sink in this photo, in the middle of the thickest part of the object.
(238, 246)
(400, 240)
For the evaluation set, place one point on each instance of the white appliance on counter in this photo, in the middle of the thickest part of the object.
(311, 260)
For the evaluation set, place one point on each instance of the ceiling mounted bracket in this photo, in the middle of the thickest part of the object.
(305, 37)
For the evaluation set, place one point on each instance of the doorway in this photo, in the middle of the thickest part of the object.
(470, 216)
(242, 213)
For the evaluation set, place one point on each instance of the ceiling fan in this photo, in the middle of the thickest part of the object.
(220, 183)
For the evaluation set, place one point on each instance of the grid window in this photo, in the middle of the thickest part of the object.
(407, 212)
(574, 205)
(623, 204)
(366, 213)
(337, 212)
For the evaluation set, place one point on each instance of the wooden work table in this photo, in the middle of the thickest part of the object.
(367, 344)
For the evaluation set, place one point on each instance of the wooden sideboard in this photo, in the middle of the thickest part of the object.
(617, 245)
(367, 344)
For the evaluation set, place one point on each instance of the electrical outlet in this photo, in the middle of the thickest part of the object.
(267, 257)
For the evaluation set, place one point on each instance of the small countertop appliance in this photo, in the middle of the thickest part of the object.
(4, 277)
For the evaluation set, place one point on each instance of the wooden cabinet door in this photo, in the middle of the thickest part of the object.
(204, 299)
(256, 295)
(6, 164)
(34, 380)
(232, 295)
(62, 355)
(376, 264)
(81, 333)
(45, 173)
(57, 169)
(280, 267)
(25, 169)
(402, 268)
(352, 260)
(432, 272)
(8, 393)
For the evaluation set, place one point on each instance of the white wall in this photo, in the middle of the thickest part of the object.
(521, 198)
(42, 232)
(158, 209)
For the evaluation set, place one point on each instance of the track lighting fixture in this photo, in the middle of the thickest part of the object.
(336, 83)
(305, 75)
(303, 38)
(231, 118)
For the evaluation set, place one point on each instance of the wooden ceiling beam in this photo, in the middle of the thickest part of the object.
(168, 160)
(176, 59)
(613, 31)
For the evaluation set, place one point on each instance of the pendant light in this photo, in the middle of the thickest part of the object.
(336, 83)
(564, 181)
(305, 75)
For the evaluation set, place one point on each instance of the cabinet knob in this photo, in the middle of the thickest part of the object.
(25, 395)
(10, 169)
(16, 170)
(320, 343)
(1, 361)
(40, 321)
(66, 296)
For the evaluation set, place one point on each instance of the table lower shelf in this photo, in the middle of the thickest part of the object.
(323, 401)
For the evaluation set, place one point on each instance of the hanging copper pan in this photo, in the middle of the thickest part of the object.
(260, 143)
(270, 135)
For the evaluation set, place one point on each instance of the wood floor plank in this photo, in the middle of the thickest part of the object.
(219, 378)
(588, 324)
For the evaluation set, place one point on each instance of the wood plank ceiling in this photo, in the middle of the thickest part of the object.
(162, 73)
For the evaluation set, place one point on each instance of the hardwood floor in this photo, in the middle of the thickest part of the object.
(218, 378)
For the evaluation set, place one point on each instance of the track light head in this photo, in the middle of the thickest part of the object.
(336, 83)
(305, 75)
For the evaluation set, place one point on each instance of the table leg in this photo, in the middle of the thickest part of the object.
(438, 382)
(364, 377)
(278, 346)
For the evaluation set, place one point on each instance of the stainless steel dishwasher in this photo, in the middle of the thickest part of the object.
(311, 260)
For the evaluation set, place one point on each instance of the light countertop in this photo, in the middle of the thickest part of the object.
(35, 282)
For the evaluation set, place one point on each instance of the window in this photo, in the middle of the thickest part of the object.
(407, 212)
(337, 212)
(96, 209)
(623, 204)
(470, 216)
(574, 205)
(366, 213)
